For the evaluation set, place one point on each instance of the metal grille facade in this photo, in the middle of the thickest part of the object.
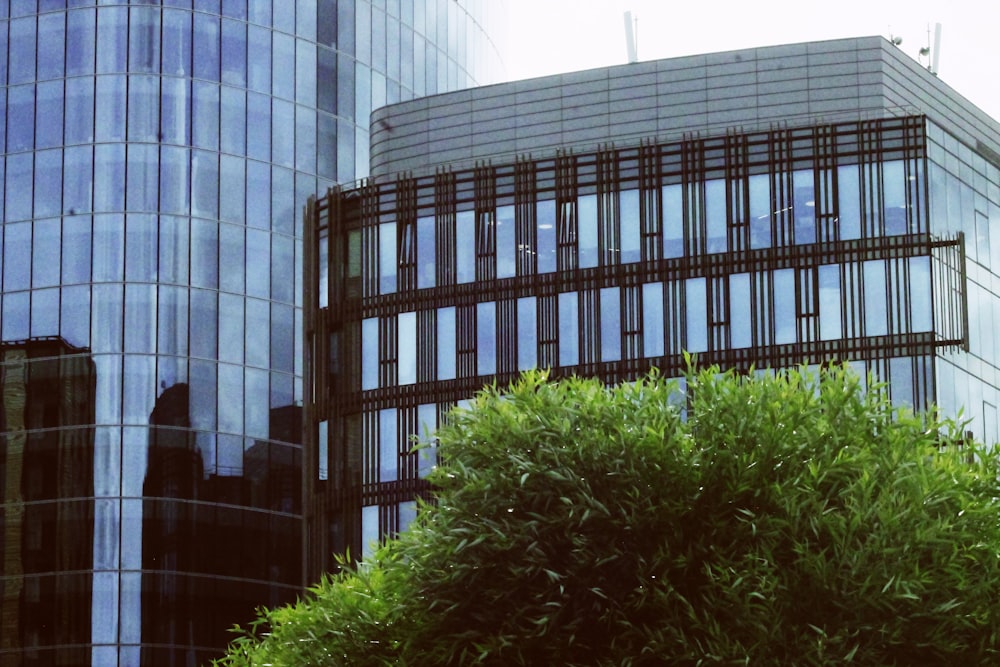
(765, 249)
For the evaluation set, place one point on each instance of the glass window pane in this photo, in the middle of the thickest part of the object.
(569, 329)
(231, 328)
(919, 291)
(76, 250)
(426, 252)
(176, 51)
(740, 332)
(109, 248)
(142, 177)
(20, 118)
(652, 320)
(387, 261)
(140, 248)
(804, 206)
(48, 183)
(760, 211)
(628, 202)
(204, 253)
(784, 306)
(204, 184)
(465, 246)
(21, 41)
(507, 249)
(875, 305)
(79, 125)
(369, 353)
(715, 214)
(849, 202)
(546, 236)
(830, 315)
(527, 336)
(611, 324)
(486, 338)
(283, 63)
(144, 40)
(259, 258)
(407, 337)
(388, 445)
(16, 246)
(696, 315)
(587, 232)
(673, 221)
(80, 42)
(445, 343)
(206, 47)
(112, 35)
(50, 101)
(234, 52)
(894, 197)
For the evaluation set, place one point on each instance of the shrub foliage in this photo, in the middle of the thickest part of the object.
(761, 519)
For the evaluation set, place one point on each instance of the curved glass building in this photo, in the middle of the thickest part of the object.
(155, 158)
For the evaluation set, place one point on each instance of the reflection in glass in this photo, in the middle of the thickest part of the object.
(446, 343)
(387, 261)
(388, 445)
(407, 337)
(507, 248)
(919, 291)
(830, 299)
(628, 202)
(760, 211)
(894, 198)
(696, 314)
(587, 231)
(426, 253)
(545, 235)
(527, 337)
(784, 306)
(715, 215)
(569, 329)
(740, 327)
(849, 202)
(369, 353)
(611, 324)
(804, 206)
(875, 303)
(465, 246)
(486, 336)
(652, 320)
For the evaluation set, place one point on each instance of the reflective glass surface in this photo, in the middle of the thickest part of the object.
(152, 178)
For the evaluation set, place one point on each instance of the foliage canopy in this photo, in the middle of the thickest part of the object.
(763, 519)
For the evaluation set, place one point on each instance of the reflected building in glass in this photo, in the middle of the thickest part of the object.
(154, 159)
(809, 203)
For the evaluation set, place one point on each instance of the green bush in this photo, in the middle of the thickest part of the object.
(789, 519)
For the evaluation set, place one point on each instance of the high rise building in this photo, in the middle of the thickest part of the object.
(155, 159)
(809, 203)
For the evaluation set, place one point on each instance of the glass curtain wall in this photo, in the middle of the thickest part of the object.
(965, 198)
(155, 159)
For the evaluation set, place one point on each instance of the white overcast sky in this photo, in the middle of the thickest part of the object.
(552, 36)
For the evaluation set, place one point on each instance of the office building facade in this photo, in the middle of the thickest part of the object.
(809, 203)
(155, 159)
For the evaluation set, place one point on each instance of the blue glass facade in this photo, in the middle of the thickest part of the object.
(155, 159)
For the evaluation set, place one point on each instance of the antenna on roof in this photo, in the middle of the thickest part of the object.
(935, 52)
(630, 30)
(936, 55)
